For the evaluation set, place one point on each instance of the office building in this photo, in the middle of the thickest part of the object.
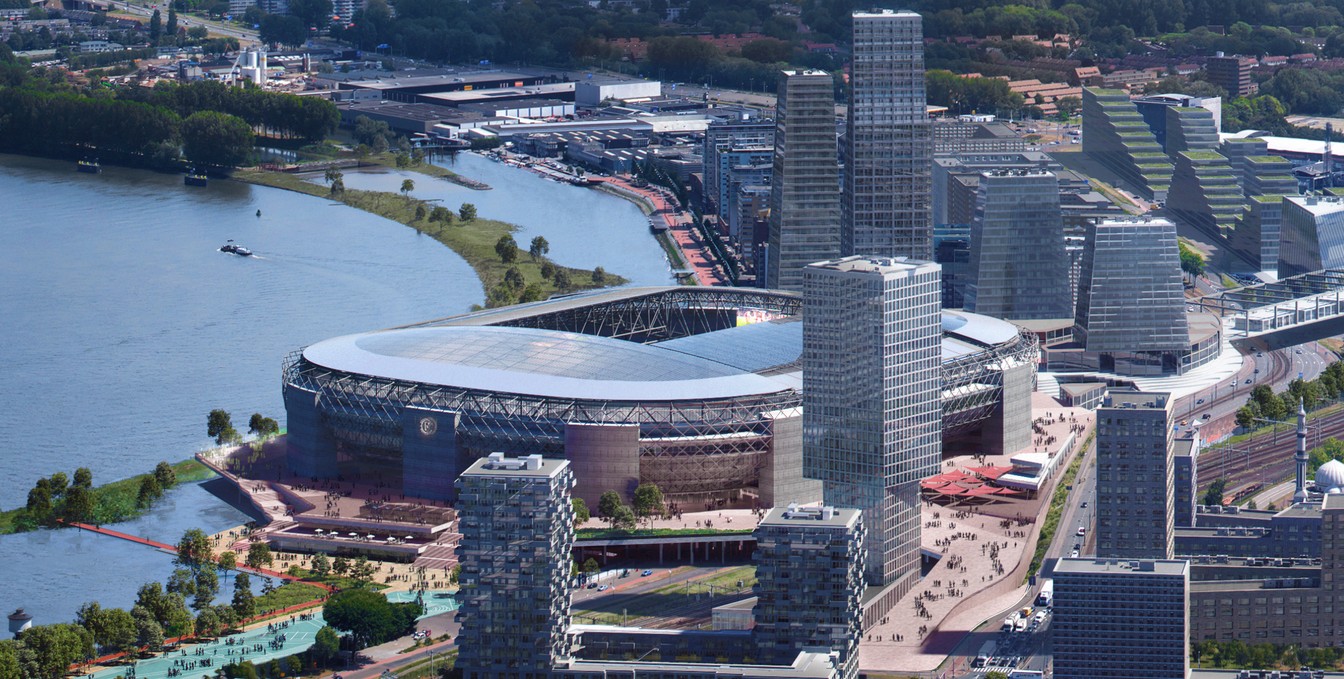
(1231, 73)
(1131, 301)
(889, 142)
(1185, 476)
(1312, 232)
(1019, 269)
(517, 526)
(871, 397)
(1205, 192)
(728, 144)
(809, 582)
(1135, 482)
(1121, 619)
(805, 190)
(1184, 124)
(1255, 236)
(975, 134)
(954, 173)
(1118, 140)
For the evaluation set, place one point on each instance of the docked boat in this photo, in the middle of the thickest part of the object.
(195, 178)
(89, 166)
(235, 249)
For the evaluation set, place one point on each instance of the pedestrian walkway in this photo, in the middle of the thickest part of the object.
(258, 645)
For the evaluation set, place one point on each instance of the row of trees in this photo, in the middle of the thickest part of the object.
(649, 503)
(1264, 404)
(219, 426)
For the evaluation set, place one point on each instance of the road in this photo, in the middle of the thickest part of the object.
(244, 36)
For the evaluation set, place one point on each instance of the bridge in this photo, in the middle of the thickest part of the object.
(1285, 313)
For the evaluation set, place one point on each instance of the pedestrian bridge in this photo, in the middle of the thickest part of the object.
(1285, 313)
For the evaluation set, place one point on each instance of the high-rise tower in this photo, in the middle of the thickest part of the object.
(1300, 494)
(888, 143)
(1019, 269)
(805, 189)
(872, 403)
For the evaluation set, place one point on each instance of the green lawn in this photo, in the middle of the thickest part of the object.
(474, 240)
(612, 533)
(288, 594)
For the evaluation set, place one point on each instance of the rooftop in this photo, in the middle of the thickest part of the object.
(1127, 398)
(496, 464)
(902, 266)
(828, 517)
(1158, 567)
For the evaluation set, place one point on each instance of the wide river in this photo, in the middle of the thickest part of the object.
(123, 326)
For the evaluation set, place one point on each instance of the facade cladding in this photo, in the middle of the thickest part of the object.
(805, 190)
(1116, 137)
(1135, 485)
(871, 396)
(889, 144)
(1121, 619)
(1312, 235)
(1019, 269)
(1130, 296)
(634, 385)
(517, 524)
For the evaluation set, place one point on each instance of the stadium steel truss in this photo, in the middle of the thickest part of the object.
(691, 448)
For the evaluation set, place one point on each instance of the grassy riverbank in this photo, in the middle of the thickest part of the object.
(116, 501)
(474, 240)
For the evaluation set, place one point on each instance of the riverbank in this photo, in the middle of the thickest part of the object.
(474, 240)
(389, 160)
(116, 501)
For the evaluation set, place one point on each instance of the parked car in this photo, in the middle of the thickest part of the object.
(647, 572)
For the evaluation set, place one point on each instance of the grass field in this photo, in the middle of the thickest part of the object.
(474, 240)
(601, 533)
(670, 600)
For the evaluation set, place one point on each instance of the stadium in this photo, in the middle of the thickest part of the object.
(696, 389)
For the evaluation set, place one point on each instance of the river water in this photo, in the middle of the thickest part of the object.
(123, 326)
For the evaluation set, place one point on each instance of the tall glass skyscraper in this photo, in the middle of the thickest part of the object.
(805, 190)
(1019, 269)
(888, 144)
(872, 402)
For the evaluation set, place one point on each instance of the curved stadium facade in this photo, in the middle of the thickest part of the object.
(696, 389)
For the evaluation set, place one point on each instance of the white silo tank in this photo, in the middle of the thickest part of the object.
(19, 621)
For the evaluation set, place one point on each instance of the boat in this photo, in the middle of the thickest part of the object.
(235, 249)
(195, 178)
(89, 166)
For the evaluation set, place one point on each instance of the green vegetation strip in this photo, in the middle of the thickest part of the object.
(1057, 502)
(660, 601)
(389, 159)
(1116, 197)
(116, 501)
(289, 594)
(428, 668)
(617, 533)
(474, 240)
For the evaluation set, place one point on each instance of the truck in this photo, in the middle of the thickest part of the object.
(1047, 595)
(1009, 623)
(986, 654)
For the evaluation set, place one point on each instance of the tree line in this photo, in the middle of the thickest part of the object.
(60, 498)
(1264, 404)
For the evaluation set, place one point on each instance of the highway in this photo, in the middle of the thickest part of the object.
(244, 36)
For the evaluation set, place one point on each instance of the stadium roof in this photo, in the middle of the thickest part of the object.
(535, 362)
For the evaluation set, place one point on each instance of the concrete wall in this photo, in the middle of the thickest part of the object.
(429, 454)
(1009, 428)
(311, 449)
(604, 457)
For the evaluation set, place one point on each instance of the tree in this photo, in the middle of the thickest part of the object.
(219, 426)
(148, 632)
(505, 247)
(340, 565)
(228, 560)
(539, 248)
(599, 276)
(113, 629)
(581, 514)
(561, 279)
(259, 555)
(468, 212)
(78, 504)
(207, 586)
(54, 648)
(150, 490)
(326, 647)
(194, 548)
(83, 477)
(39, 502)
(57, 484)
(155, 27)
(164, 474)
(283, 29)
(208, 623)
(547, 270)
(407, 186)
(182, 581)
(648, 500)
(441, 214)
(216, 139)
(361, 570)
(1247, 415)
(1191, 262)
(244, 603)
(590, 566)
(262, 426)
(1068, 106)
(1214, 495)
(368, 617)
(9, 653)
(624, 518)
(608, 504)
(513, 278)
(321, 565)
(313, 13)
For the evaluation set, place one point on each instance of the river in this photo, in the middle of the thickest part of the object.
(124, 326)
